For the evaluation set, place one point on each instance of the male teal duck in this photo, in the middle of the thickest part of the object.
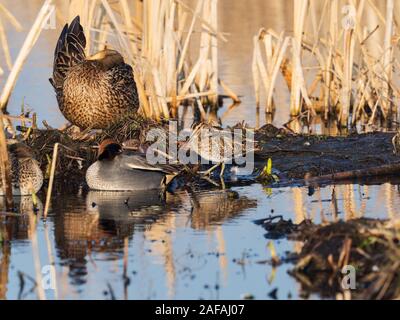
(92, 92)
(118, 170)
(27, 177)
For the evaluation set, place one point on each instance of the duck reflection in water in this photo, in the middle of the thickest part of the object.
(100, 223)
(20, 225)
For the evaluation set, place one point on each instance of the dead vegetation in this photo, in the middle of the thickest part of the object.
(369, 246)
(172, 47)
(341, 64)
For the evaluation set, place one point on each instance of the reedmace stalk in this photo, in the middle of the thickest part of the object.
(5, 168)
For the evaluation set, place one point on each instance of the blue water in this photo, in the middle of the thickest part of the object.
(186, 246)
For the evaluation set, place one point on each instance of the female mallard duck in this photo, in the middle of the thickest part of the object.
(92, 92)
(116, 170)
(27, 177)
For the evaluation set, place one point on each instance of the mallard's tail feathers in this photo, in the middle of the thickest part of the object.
(69, 51)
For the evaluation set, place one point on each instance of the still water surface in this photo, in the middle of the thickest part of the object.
(182, 246)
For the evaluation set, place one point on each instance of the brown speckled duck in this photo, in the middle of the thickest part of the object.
(27, 177)
(92, 92)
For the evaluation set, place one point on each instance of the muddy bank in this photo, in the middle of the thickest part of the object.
(366, 247)
(299, 156)
(294, 157)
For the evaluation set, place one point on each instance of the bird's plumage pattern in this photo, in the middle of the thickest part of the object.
(217, 144)
(92, 92)
(70, 51)
(117, 170)
(27, 177)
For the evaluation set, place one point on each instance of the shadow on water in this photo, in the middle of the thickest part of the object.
(184, 245)
(92, 229)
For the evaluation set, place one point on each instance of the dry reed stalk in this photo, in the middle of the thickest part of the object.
(202, 79)
(121, 37)
(128, 23)
(300, 77)
(277, 60)
(256, 76)
(144, 105)
(79, 8)
(328, 67)
(347, 77)
(203, 114)
(91, 7)
(214, 30)
(274, 53)
(229, 91)
(5, 167)
(300, 7)
(372, 77)
(4, 44)
(11, 18)
(3, 36)
(51, 180)
(157, 42)
(30, 41)
(265, 78)
(388, 54)
(286, 71)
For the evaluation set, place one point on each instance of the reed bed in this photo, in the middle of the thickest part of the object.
(336, 62)
(172, 47)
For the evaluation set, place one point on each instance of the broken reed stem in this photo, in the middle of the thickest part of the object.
(388, 53)
(29, 42)
(51, 180)
(229, 92)
(328, 66)
(5, 167)
(214, 51)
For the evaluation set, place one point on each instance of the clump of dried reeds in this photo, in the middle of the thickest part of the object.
(354, 65)
(78, 149)
(159, 38)
(367, 246)
(156, 37)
